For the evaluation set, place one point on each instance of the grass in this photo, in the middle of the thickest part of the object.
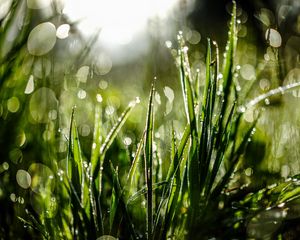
(109, 191)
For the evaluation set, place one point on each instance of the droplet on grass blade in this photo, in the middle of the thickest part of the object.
(41, 39)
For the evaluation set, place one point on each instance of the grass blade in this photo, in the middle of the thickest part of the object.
(148, 155)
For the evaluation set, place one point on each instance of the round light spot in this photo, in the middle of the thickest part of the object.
(62, 31)
(81, 94)
(168, 44)
(248, 72)
(273, 37)
(5, 165)
(23, 179)
(84, 130)
(103, 64)
(127, 141)
(264, 84)
(42, 178)
(13, 197)
(248, 172)
(42, 102)
(193, 37)
(13, 104)
(41, 39)
(99, 98)
(38, 4)
(103, 84)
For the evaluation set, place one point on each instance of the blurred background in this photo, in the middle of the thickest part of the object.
(55, 54)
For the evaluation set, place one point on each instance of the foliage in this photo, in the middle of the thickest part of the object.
(109, 191)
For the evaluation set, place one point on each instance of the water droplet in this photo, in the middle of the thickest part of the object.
(168, 44)
(127, 141)
(267, 101)
(81, 94)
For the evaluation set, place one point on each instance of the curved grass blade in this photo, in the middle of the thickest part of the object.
(135, 162)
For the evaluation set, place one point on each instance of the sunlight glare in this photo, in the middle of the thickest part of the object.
(118, 20)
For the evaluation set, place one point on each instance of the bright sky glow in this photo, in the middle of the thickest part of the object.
(119, 20)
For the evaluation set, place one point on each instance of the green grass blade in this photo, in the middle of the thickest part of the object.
(135, 162)
(113, 203)
(148, 155)
(96, 138)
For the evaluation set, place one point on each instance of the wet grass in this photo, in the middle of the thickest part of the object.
(181, 190)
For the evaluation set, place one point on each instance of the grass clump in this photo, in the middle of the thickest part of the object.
(108, 191)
